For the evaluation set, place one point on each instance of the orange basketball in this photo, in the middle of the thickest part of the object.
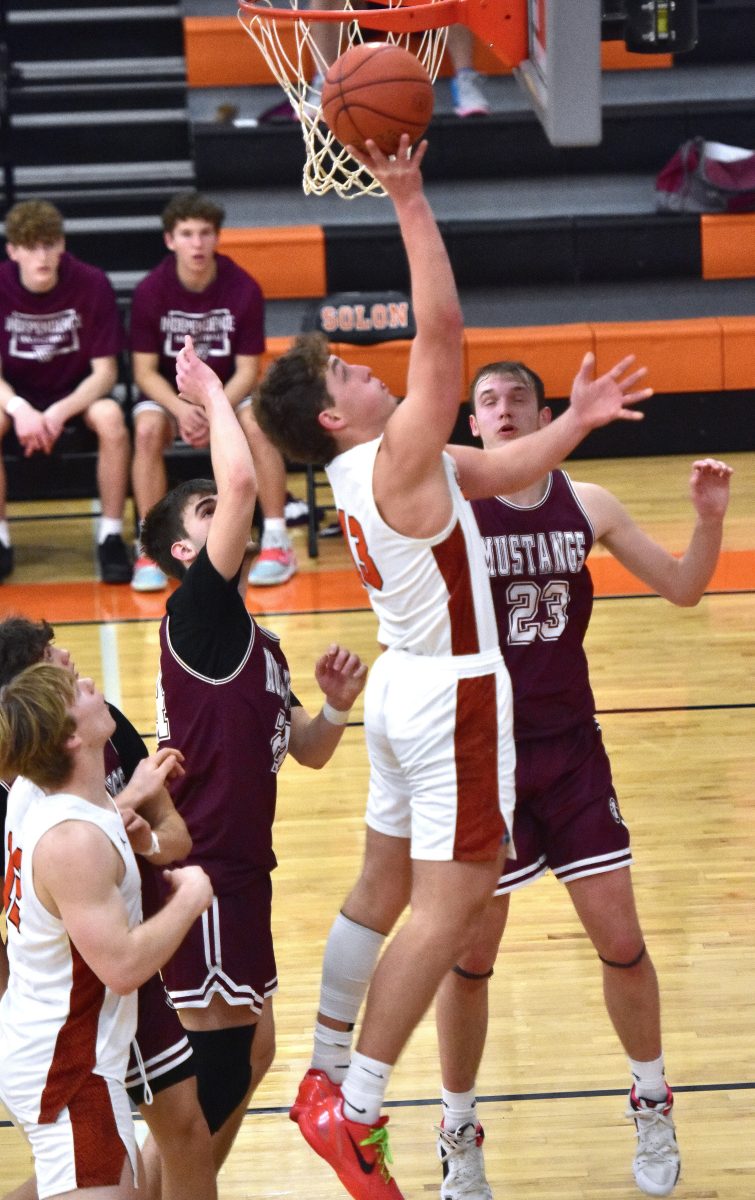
(377, 90)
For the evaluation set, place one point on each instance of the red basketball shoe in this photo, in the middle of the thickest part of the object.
(314, 1087)
(359, 1154)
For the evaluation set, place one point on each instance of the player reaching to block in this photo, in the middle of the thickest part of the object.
(567, 817)
(438, 702)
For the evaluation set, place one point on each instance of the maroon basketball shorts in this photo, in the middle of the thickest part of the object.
(227, 952)
(567, 816)
(164, 1053)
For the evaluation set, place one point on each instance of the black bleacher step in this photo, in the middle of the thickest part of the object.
(88, 137)
(95, 32)
(105, 174)
(501, 145)
(84, 97)
(117, 244)
(78, 71)
(139, 200)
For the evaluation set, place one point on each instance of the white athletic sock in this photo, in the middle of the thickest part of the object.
(364, 1088)
(351, 954)
(274, 525)
(107, 526)
(649, 1079)
(459, 1108)
(4, 533)
(332, 1051)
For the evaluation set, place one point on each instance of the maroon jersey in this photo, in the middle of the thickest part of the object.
(48, 339)
(226, 319)
(224, 700)
(542, 592)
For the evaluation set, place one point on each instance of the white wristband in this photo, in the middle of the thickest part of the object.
(12, 405)
(154, 848)
(335, 716)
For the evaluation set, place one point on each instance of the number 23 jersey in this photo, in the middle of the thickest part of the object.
(543, 594)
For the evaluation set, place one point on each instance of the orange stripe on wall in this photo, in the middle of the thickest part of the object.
(286, 261)
(728, 245)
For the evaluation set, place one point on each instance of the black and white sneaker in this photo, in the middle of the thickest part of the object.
(463, 1164)
(114, 559)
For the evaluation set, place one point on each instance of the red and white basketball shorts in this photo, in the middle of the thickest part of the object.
(85, 1147)
(439, 737)
(567, 815)
(228, 951)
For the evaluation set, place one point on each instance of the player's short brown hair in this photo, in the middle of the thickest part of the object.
(510, 369)
(192, 206)
(33, 222)
(36, 723)
(291, 396)
(22, 642)
(164, 524)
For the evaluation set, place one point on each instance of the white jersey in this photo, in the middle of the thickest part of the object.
(430, 595)
(58, 1021)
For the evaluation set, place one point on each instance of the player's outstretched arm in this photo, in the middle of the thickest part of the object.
(341, 676)
(594, 402)
(422, 424)
(681, 580)
(231, 458)
(92, 908)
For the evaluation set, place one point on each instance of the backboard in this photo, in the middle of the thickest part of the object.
(561, 74)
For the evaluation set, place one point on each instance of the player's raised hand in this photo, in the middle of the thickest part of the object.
(599, 401)
(709, 487)
(398, 173)
(341, 676)
(195, 381)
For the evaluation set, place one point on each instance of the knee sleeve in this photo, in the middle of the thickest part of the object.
(625, 965)
(351, 955)
(221, 1060)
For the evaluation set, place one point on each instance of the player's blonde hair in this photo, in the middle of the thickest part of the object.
(35, 725)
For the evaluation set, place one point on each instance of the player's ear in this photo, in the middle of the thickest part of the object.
(474, 426)
(544, 417)
(330, 419)
(169, 240)
(183, 551)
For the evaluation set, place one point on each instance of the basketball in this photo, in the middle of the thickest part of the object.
(377, 90)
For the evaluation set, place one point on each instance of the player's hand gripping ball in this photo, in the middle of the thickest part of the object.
(377, 90)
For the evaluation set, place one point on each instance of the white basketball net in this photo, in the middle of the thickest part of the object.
(328, 166)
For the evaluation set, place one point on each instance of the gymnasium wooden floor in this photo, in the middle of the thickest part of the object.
(675, 690)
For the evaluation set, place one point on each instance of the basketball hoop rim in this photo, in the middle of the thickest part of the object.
(422, 14)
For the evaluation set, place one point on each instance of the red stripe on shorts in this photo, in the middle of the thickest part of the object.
(453, 564)
(97, 1146)
(479, 824)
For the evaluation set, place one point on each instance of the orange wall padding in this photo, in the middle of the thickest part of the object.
(614, 56)
(739, 352)
(705, 354)
(728, 245)
(220, 54)
(553, 351)
(388, 360)
(275, 346)
(285, 261)
(681, 356)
